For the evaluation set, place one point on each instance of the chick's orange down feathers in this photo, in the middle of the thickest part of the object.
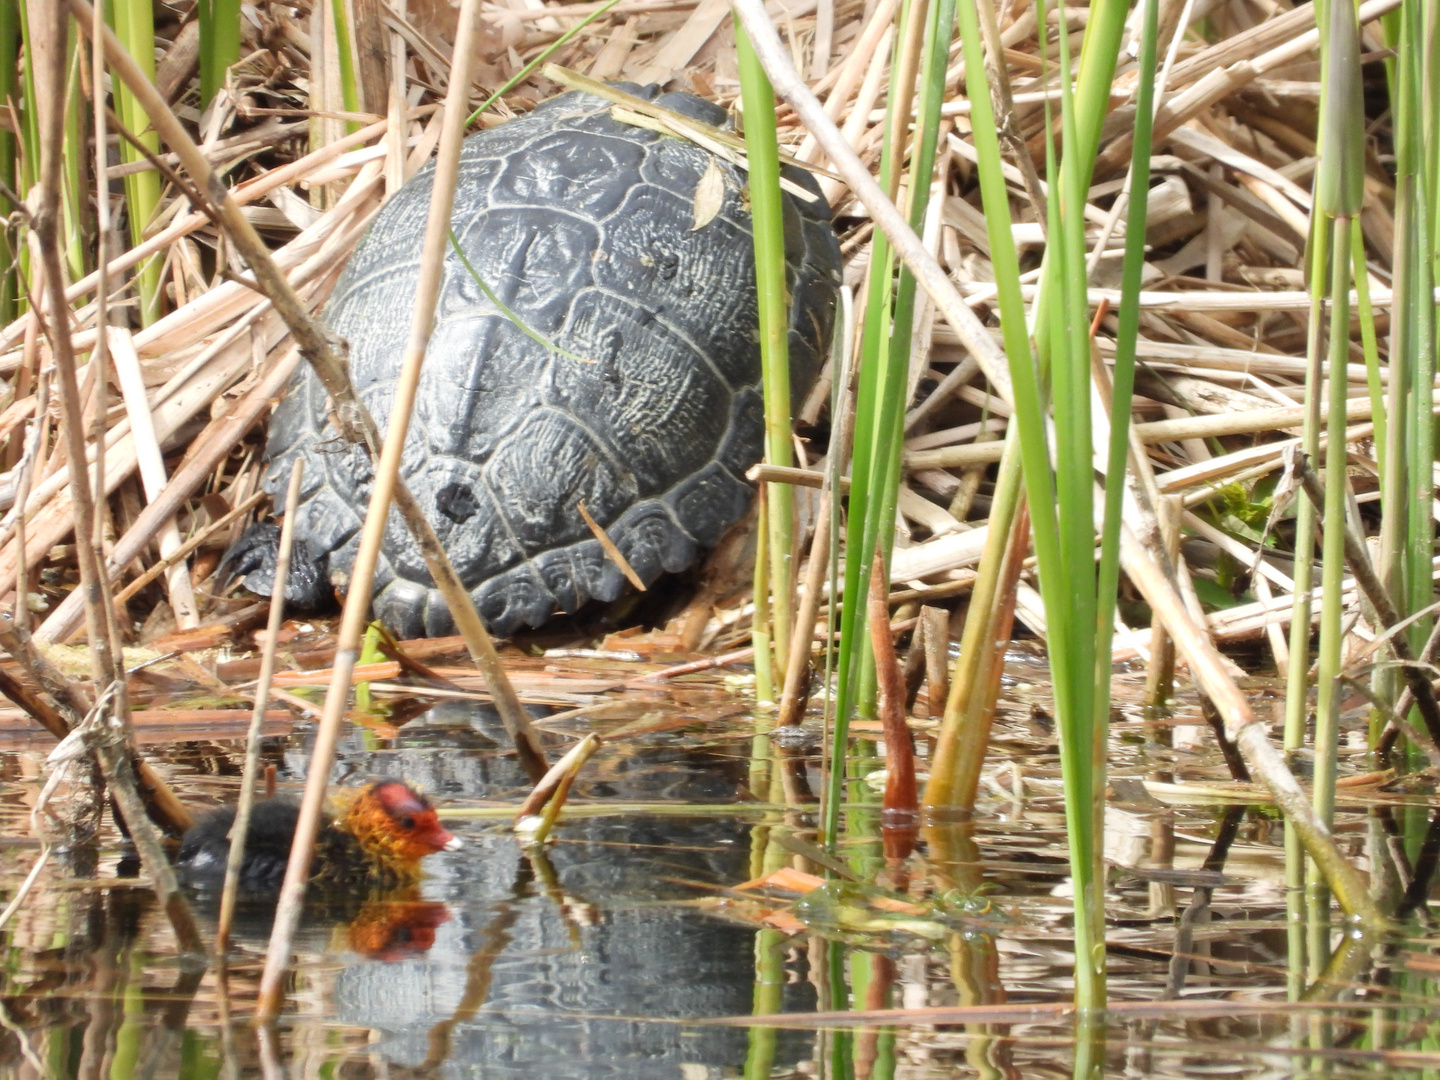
(384, 831)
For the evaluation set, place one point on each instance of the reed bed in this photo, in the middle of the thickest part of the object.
(1221, 314)
(1212, 319)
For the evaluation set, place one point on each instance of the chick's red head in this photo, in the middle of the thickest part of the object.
(401, 822)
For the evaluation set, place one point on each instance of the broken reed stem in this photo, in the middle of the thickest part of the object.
(1160, 674)
(583, 752)
(1357, 555)
(900, 802)
(315, 344)
(797, 667)
(387, 472)
(555, 783)
(239, 831)
(612, 552)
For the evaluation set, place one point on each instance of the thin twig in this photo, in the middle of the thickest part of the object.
(387, 471)
(109, 731)
(240, 830)
(1386, 614)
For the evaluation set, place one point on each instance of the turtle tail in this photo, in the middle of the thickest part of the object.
(251, 559)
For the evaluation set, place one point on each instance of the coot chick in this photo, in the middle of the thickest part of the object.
(382, 833)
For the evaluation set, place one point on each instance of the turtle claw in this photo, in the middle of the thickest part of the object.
(252, 560)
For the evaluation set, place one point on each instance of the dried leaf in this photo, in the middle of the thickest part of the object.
(709, 195)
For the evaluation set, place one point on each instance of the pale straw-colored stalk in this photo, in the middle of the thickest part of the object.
(357, 601)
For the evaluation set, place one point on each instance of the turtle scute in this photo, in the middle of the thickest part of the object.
(641, 398)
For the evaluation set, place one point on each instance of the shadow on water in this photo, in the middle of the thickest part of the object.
(624, 950)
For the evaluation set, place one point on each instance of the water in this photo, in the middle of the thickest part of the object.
(623, 950)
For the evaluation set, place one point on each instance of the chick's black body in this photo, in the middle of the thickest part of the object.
(378, 843)
(206, 847)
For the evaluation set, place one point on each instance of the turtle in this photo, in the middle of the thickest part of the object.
(620, 369)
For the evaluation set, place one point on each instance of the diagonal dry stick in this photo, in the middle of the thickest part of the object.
(240, 829)
(387, 483)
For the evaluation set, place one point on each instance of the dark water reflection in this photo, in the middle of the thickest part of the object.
(602, 960)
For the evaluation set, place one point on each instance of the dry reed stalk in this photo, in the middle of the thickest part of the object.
(387, 487)
(152, 470)
(106, 729)
(240, 829)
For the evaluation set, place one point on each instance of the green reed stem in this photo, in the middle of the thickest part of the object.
(1298, 677)
(135, 27)
(760, 621)
(345, 48)
(1332, 608)
(74, 199)
(890, 431)
(861, 525)
(1072, 602)
(1422, 136)
(1128, 333)
(9, 155)
(768, 217)
(1339, 194)
(1369, 341)
(770, 982)
(219, 44)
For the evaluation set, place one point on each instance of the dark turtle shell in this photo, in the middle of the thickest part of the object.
(586, 229)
